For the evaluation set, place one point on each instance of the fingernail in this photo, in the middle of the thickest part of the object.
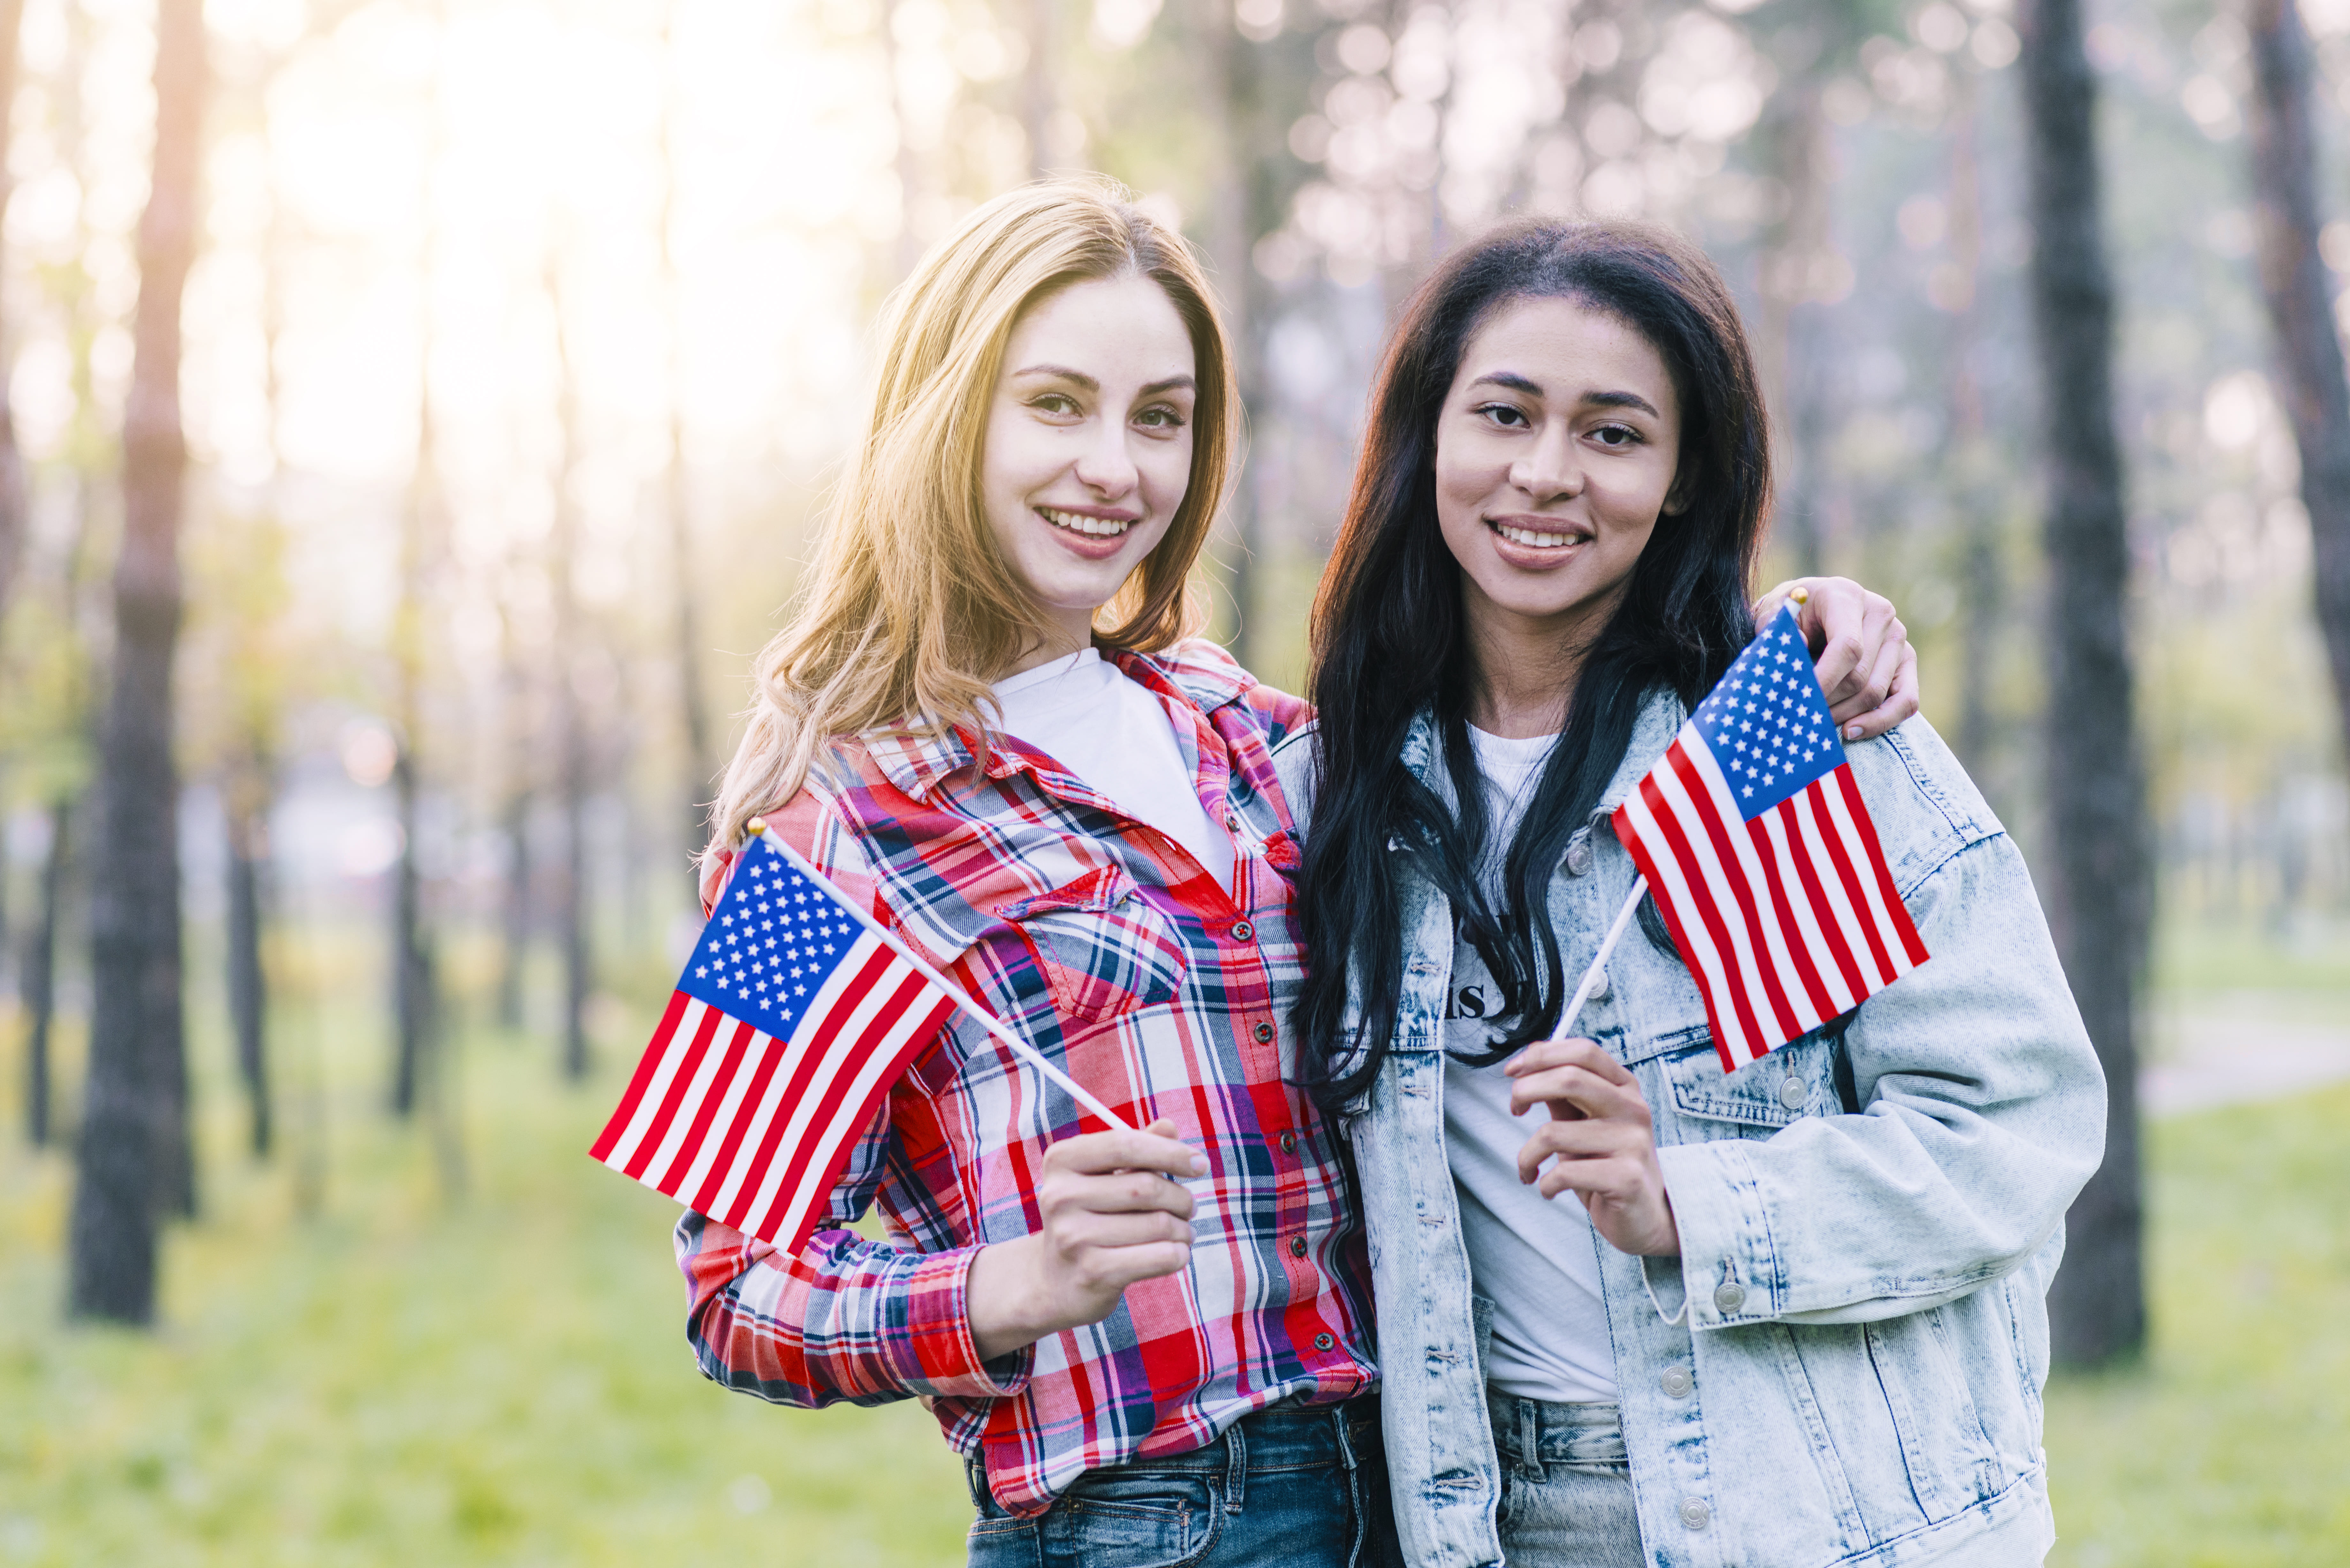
(1198, 1165)
(1852, 732)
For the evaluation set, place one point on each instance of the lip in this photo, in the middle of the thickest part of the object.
(1090, 546)
(1538, 557)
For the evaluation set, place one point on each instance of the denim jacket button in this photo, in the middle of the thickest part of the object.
(1729, 1297)
(1600, 986)
(1677, 1382)
(1695, 1514)
(1578, 855)
(1794, 1094)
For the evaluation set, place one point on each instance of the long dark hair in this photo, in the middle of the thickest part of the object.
(1390, 640)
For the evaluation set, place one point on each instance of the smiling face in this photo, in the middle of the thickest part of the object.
(1556, 452)
(1088, 451)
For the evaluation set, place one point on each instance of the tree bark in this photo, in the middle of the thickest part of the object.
(1234, 224)
(248, 986)
(2293, 280)
(36, 976)
(693, 701)
(1793, 137)
(571, 715)
(134, 1162)
(2100, 890)
(13, 510)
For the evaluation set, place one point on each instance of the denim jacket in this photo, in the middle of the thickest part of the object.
(1844, 1364)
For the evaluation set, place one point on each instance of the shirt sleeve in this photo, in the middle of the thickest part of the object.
(845, 1319)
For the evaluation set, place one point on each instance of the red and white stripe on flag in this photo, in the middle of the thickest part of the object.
(753, 1128)
(1786, 919)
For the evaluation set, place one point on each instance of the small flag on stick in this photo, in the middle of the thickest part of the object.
(794, 1017)
(1753, 834)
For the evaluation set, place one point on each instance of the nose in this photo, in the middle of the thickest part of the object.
(1104, 466)
(1551, 467)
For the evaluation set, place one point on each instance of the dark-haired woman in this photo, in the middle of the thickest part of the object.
(1634, 1310)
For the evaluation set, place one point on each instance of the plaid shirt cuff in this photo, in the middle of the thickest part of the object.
(935, 1354)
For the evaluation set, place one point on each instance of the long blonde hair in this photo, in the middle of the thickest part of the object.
(910, 608)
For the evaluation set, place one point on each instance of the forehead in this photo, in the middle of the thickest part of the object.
(1569, 349)
(1125, 324)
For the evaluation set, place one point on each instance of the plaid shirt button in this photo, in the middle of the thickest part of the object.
(1297, 1246)
(1324, 1341)
(1289, 1143)
(1265, 1033)
(1243, 931)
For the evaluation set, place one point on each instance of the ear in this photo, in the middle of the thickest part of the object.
(1677, 498)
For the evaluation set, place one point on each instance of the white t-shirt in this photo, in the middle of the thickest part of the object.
(1084, 713)
(1535, 1257)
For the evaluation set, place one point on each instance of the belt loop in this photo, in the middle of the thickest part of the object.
(974, 1476)
(1235, 1467)
(1345, 1429)
(1530, 1459)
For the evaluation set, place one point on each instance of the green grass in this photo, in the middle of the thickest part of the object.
(2229, 1446)
(405, 1377)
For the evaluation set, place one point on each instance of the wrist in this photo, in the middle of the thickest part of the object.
(1003, 1298)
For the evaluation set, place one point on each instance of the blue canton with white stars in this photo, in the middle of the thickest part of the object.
(775, 937)
(1767, 723)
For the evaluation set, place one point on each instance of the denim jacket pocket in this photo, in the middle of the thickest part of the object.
(1777, 1091)
(1103, 950)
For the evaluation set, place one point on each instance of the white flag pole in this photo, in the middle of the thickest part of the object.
(1591, 976)
(955, 993)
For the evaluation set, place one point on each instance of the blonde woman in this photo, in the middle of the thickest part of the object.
(988, 720)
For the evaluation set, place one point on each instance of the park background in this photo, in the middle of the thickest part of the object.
(517, 344)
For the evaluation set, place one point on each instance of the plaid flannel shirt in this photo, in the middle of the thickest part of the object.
(1109, 947)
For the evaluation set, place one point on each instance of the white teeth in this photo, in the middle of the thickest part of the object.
(1528, 536)
(1078, 522)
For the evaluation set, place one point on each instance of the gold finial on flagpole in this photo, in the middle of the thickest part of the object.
(755, 826)
(1800, 594)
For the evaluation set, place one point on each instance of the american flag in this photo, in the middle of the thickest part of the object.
(1753, 834)
(793, 1018)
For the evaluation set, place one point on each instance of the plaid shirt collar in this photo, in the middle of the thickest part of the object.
(917, 759)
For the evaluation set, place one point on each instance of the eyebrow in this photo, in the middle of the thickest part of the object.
(1063, 372)
(1518, 383)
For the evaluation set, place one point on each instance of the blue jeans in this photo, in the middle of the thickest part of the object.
(1567, 1485)
(1292, 1487)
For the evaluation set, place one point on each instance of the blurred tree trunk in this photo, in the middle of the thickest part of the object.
(11, 460)
(693, 702)
(1236, 221)
(36, 975)
(412, 979)
(1793, 137)
(1982, 591)
(1037, 98)
(571, 718)
(135, 1163)
(515, 911)
(248, 988)
(2294, 279)
(2100, 890)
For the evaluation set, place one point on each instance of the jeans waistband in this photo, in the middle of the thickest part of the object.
(1531, 1433)
(1290, 1436)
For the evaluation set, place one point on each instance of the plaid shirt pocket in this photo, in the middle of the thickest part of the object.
(1104, 950)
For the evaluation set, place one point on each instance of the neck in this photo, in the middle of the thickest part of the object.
(1526, 666)
(1064, 632)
